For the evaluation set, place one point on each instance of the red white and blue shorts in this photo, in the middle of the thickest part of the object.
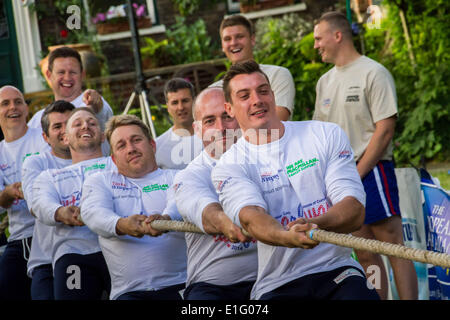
(381, 192)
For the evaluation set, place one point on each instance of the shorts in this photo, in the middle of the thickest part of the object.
(344, 283)
(381, 189)
(208, 291)
(168, 293)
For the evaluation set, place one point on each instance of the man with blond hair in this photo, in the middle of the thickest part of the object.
(119, 206)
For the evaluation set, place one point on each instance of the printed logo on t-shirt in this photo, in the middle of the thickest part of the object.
(221, 184)
(29, 154)
(353, 98)
(71, 199)
(4, 166)
(326, 103)
(345, 154)
(95, 167)
(300, 165)
(155, 187)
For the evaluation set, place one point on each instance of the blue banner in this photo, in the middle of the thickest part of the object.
(436, 209)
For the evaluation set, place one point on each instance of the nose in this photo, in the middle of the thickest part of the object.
(316, 44)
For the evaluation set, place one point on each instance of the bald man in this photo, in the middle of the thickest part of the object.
(19, 143)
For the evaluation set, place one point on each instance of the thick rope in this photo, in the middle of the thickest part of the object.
(344, 240)
(385, 248)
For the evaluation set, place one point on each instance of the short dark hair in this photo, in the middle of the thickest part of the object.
(60, 106)
(63, 52)
(175, 84)
(237, 20)
(337, 21)
(245, 67)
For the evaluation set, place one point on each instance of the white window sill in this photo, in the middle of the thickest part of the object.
(275, 11)
(127, 34)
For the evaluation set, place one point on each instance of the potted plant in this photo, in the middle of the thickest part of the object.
(115, 19)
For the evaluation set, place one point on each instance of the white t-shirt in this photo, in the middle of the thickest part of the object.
(42, 244)
(302, 174)
(356, 96)
(174, 151)
(12, 155)
(282, 84)
(135, 264)
(54, 188)
(103, 116)
(211, 259)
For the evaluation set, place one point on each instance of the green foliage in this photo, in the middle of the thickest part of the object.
(422, 84)
(185, 43)
(189, 42)
(190, 7)
(289, 42)
(422, 87)
(159, 121)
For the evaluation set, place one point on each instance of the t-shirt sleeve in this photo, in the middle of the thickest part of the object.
(382, 97)
(341, 177)
(284, 89)
(45, 199)
(97, 206)
(193, 192)
(31, 169)
(236, 190)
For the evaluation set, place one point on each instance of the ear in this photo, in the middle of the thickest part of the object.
(197, 125)
(153, 144)
(113, 159)
(253, 40)
(229, 109)
(338, 36)
(45, 137)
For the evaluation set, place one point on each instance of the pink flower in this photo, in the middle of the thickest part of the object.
(64, 33)
(140, 12)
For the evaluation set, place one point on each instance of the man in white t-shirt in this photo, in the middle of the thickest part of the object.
(65, 73)
(39, 264)
(80, 271)
(359, 95)
(222, 263)
(120, 204)
(176, 147)
(19, 143)
(282, 179)
(238, 39)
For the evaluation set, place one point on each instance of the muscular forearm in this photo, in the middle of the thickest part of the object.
(344, 217)
(213, 218)
(263, 227)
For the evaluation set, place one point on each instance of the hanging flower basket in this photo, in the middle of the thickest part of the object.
(123, 25)
(248, 6)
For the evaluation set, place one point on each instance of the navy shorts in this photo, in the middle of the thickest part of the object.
(169, 293)
(381, 189)
(14, 281)
(207, 291)
(344, 283)
(81, 277)
(42, 283)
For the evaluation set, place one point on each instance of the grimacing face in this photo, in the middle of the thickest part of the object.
(214, 126)
(132, 152)
(83, 131)
(56, 131)
(253, 102)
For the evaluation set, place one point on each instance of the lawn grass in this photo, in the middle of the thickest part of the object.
(444, 178)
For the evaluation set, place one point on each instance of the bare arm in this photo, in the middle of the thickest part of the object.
(282, 113)
(345, 216)
(215, 221)
(10, 193)
(384, 132)
(266, 229)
